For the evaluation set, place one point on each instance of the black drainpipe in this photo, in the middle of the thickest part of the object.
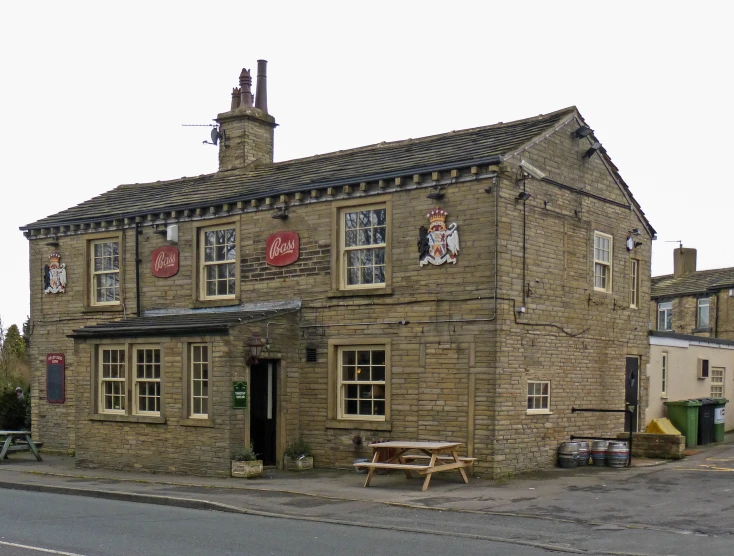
(138, 231)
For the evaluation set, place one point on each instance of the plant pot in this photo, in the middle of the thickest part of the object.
(247, 469)
(298, 464)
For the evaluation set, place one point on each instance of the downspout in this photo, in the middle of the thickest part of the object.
(716, 317)
(524, 243)
(138, 231)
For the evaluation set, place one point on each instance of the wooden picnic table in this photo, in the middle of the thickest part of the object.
(11, 444)
(426, 458)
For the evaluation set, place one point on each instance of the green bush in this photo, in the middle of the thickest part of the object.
(245, 454)
(299, 448)
(14, 413)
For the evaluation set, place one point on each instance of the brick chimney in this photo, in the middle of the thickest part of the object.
(684, 261)
(248, 130)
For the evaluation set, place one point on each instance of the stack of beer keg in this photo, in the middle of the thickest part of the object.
(603, 453)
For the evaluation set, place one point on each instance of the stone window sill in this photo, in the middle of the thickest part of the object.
(128, 418)
(197, 423)
(706, 330)
(539, 412)
(358, 424)
(358, 292)
(102, 309)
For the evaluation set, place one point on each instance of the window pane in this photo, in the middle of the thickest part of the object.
(380, 217)
(350, 220)
(349, 373)
(378, 373)
(349, 358)
(365, 407)
(364, 357)
(350, 407)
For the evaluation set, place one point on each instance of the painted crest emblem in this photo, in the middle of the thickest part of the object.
(54, 275)
(438, 244)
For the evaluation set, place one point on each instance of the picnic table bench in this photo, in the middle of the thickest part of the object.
(432, 457)
(18, 441)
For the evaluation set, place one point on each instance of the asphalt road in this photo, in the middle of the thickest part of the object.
(34, 523)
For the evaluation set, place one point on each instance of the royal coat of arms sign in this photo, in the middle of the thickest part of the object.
(438, 244)
(54, 275)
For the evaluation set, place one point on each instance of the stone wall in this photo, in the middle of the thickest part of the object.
(658, 446)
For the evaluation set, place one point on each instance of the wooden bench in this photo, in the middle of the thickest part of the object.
(433, 457)
(381, 465)
(411, 457)
(22, 447)
(18, 441)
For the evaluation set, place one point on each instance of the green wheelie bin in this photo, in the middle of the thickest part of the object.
(684, 416)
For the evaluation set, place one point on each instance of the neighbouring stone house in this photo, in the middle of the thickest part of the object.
(472, 286)
(692, 344)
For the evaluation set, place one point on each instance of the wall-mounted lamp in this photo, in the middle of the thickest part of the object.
(280, 213)
(523, 196)
(54, 241)
(635, 231)
(488, 189)
(582, 132)
(159, 229)
(592, 149)
(436, 194)
(255, 346)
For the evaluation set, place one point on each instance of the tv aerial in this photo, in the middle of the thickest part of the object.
(216, 135)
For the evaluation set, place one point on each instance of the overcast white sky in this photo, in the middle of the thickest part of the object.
(93, 94)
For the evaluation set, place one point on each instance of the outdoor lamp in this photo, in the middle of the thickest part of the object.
(255, 346)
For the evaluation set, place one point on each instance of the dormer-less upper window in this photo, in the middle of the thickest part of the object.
(702, 313)
(602, 262)
(665, 316)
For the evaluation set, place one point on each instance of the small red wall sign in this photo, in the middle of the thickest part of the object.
(55, 378)
(282, 248)
(165, 262)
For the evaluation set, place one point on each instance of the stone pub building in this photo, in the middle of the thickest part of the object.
(472, 286)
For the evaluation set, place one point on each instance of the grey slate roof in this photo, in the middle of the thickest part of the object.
(699, 282)
(481, 145)
(172, 325)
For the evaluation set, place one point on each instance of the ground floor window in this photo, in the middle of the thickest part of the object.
(120, 377)
(717, 382)
(199, 385)
(362, 382)
(538, 396)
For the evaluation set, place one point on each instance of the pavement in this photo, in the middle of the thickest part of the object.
(279, 492)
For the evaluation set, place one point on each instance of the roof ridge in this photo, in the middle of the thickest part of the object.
(363, 148)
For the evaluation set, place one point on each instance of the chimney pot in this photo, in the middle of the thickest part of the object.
(261, 96)
(245, 89)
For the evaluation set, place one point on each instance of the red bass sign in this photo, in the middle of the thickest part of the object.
(165, 262)
(282, 248)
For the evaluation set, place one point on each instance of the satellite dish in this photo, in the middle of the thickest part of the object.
(216, 136)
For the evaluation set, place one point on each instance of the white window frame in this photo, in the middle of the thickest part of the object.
(94, 274)
(205, 363)
(152, 380)
(718, 375)
(535, 399)
(345, 250)
(665, 310)
(703, 303)
(634, 283)
(102, 382)
(664, 375)
(343, 384)
(204, 264)
(600, 263)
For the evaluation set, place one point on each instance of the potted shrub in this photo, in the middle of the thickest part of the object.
(298, 456)
(245, 463)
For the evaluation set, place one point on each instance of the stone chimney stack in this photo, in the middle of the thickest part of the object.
(684, 261)
(248, 130)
